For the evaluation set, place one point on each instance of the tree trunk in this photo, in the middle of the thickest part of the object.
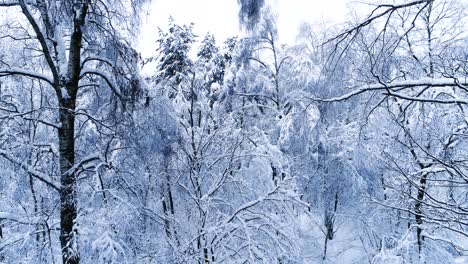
(67, 93)
(418, 210)
(68, 199)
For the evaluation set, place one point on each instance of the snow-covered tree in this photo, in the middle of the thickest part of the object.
(64, 52)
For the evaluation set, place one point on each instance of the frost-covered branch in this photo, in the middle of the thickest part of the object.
(30, 170)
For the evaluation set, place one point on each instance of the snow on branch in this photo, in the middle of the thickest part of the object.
(389, 89)
(105, 77)
(99, 59)
(26, 73)
(8, 3)
(83, 162)
(41, 37)
(250, 204)
(29, 169)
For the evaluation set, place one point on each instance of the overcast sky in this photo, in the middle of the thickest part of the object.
(220, 17)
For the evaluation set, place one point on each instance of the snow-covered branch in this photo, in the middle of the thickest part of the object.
(8, 3)
(26, 73)
(108, 79)
(390, 89)
(83, 162)
(29, 169)
(42, 37)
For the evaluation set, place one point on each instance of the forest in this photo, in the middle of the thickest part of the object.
(348, 146)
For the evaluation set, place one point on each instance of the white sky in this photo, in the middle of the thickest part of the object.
(219, 17)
